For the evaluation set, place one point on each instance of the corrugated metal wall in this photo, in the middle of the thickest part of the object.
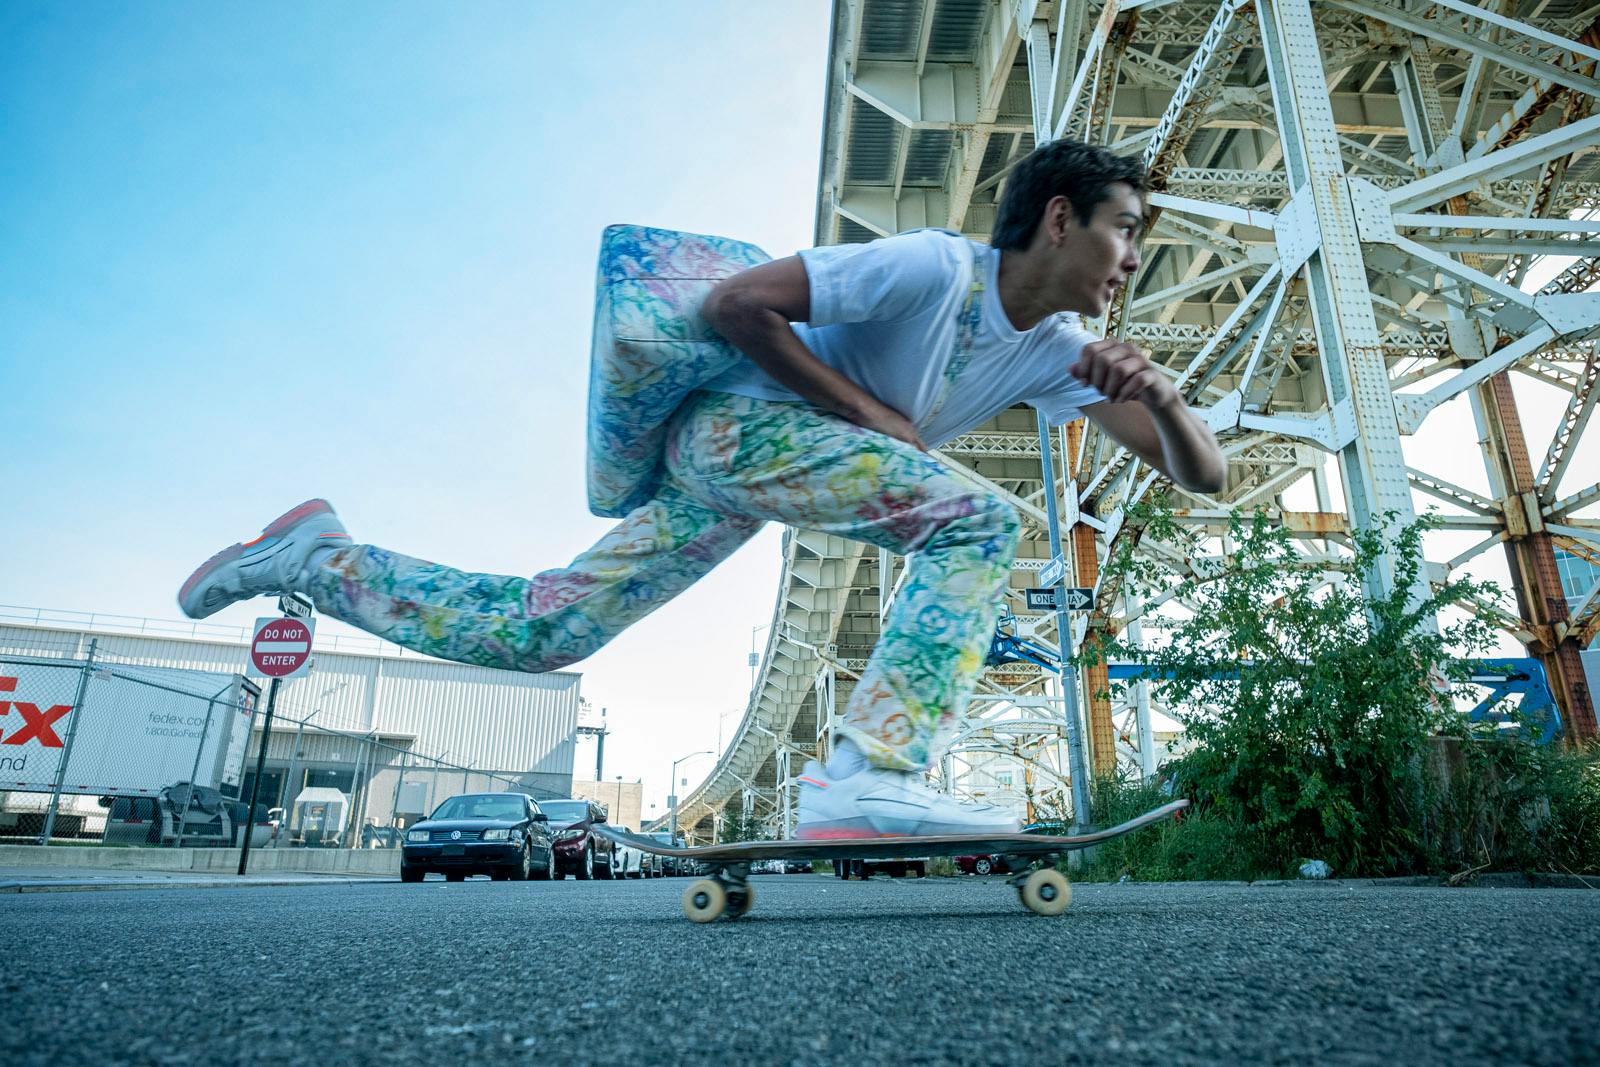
(472, 716)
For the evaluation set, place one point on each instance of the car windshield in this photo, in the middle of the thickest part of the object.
(481, 807)
(665, 839)
(563, 813)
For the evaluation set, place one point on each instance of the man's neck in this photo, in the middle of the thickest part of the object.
(1021, 291)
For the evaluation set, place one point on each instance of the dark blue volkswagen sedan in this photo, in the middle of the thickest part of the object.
(503, 835)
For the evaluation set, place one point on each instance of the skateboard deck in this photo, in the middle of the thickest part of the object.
(892, 847)
(1044, 891)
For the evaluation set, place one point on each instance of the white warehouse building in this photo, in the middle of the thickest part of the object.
(393, 730)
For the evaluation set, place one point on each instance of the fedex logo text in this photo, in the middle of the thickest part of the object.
(37, 724)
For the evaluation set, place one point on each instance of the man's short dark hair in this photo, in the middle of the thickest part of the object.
(1080, 172)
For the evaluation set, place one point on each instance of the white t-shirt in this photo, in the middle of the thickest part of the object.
(884, 314)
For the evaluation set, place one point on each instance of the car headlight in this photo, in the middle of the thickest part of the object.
(416, 835)
(569, 833)
(501, 834)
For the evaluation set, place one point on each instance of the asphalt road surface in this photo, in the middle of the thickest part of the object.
(822, 971)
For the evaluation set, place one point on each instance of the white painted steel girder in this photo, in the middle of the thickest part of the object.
(1302, 281)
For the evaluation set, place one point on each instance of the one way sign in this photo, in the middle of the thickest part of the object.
(1076, 598)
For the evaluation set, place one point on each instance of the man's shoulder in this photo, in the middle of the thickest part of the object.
(948, 242)
(1066, 326)
(891, 278)
(929, 243)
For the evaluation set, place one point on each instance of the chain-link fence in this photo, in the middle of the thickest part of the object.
(323, 787)
(96, 751)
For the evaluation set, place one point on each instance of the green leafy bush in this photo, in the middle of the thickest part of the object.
(1309, 703)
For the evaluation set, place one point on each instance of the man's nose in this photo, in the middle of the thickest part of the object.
(1130, 259)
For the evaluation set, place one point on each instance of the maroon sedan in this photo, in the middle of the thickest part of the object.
(995, 863)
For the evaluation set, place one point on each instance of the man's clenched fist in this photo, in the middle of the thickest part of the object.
(1124, 372)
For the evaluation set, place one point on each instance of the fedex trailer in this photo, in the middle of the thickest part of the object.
(121, 731)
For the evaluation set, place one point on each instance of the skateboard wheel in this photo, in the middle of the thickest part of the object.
(1045, 892)
(704, 901)
(740, 901)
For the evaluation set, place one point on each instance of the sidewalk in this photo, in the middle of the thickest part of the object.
(85, 879)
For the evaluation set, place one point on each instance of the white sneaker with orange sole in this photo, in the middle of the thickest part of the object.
(874, 802)
(270, 565)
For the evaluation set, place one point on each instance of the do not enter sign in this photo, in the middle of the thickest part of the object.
(281, 648)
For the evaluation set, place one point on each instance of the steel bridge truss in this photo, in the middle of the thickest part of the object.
(1348, 197)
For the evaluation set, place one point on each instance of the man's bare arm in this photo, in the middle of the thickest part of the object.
(1144, 413)
(753, 310)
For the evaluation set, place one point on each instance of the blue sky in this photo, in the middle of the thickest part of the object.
(253, 254)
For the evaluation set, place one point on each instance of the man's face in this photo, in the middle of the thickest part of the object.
(1096, 260)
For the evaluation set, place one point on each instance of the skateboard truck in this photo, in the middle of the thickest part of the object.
(726, 893)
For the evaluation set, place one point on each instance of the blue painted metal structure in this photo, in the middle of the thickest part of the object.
(1521, 677)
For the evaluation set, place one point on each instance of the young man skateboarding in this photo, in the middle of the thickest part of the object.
(860, 358)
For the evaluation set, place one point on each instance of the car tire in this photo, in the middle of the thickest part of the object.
(411, 874)
(547, 873)
(455, 876)
(585, 869)
(524, 868)
(982, 865)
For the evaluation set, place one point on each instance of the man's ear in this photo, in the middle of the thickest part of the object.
(1058, 220)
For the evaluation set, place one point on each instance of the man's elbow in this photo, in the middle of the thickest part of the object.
(716, 308)
(1213, 482)
(1210, 479)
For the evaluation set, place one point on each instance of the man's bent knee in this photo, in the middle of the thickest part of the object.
(987, 521)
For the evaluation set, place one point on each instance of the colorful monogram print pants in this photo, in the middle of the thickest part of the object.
(733, 464)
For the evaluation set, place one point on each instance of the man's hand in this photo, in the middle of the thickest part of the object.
(888, 421)
(1160, 429)
(1123, 372)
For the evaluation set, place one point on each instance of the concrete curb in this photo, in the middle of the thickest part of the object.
(78, 886)
(312, 861)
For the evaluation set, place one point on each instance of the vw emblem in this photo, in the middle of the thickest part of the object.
(455, 835)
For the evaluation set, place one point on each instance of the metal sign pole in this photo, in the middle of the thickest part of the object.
(1069, 688)
(255, 789)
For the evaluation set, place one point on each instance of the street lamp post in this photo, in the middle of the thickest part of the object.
(755, 660)
(672, 786)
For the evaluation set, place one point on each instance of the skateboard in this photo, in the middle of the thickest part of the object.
(1042, 889)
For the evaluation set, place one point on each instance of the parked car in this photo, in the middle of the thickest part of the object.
(503, 835)
(579, 850)
(650, 863)
(374, 836)
(995, 863)
(669, 866)
(627, 861)
(796, 866)
(866, 868)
